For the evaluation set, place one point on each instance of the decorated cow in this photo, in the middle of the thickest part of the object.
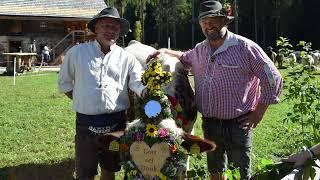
(156, 144)
(179, 91)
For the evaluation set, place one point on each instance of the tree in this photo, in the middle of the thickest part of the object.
(284, 49)
(169, 14)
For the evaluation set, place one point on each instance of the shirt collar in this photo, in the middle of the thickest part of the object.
(230, 40)
(97, 44)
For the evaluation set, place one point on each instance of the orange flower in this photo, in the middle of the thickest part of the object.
(173, 148)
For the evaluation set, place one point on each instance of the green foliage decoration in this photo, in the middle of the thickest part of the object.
(137, 31)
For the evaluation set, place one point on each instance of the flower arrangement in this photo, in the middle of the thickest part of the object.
(154, 78)
(151, 133)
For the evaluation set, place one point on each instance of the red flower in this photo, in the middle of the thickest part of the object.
(173, 148)
(229, 10)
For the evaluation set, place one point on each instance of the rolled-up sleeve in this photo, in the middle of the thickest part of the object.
(135, 74)
(186, 59)
(66, 74)
(192, 56)
(271, 82)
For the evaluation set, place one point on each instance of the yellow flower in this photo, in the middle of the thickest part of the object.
(156, 92)
(157, 87)
(134, 172)
(152, 130)
(157, 66)
(161, 176)
(147, 74)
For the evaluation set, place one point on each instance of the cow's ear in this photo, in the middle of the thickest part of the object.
(203, 144)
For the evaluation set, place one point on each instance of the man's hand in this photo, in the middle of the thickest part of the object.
(69, 94)
(162, 51)
(298, 159)
(155, 54)
(253, 119)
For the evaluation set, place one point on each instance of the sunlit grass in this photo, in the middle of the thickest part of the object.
(37, 128)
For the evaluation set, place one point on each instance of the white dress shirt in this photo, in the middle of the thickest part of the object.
(99, 81)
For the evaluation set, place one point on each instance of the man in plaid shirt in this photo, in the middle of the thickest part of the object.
(235, 81)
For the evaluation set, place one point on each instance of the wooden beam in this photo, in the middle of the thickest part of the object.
(42, 18)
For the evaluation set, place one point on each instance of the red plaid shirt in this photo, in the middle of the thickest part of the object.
(234, 79)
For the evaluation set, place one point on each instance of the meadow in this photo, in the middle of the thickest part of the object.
(37, 130)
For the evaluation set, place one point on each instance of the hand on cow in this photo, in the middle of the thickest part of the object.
(155, 54)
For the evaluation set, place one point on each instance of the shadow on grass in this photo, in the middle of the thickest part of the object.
(282, 67)
(6, 74)
(62, 171)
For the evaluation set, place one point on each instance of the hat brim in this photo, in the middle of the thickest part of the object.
(124, 24)
(230, 18)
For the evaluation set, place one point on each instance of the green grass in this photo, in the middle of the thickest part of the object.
(36, 122)
(37, 130)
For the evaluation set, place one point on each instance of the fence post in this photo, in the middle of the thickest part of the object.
(14, 70)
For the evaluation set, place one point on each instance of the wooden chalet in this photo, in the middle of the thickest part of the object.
(59, 24)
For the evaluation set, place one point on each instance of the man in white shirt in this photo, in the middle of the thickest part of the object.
(33, 47)
(96, 76)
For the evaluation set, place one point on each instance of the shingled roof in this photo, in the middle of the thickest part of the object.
(53, 8)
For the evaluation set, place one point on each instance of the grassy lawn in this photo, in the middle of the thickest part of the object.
(36, 124)
(37, 130)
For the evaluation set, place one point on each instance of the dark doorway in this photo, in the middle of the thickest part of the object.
(14, 46)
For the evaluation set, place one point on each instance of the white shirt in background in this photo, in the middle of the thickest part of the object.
(46, 50)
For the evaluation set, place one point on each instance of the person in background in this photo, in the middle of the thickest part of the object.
(96, 75)
(300, 158)
(33, 47)
(235, 82)
(45, 55)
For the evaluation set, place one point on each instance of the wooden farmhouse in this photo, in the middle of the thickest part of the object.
(59, 24)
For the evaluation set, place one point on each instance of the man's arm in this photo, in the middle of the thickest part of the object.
(66, 76)
(162, 51)
(69, 94)
(270, 84)
(300, 158)
(254, 117)
(316, 149)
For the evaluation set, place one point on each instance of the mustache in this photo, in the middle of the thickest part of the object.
(212, 30)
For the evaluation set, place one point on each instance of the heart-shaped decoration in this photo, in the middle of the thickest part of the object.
(149, 160)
